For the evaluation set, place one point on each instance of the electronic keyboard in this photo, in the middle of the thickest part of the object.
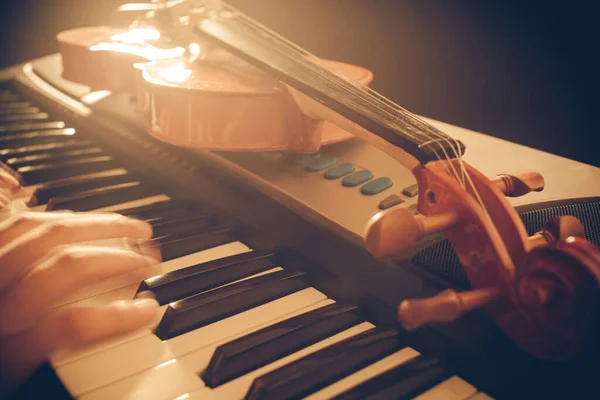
(265, 288)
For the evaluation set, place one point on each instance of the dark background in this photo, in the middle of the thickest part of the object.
(523, 71)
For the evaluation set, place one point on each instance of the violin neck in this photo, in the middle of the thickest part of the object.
(349, 104)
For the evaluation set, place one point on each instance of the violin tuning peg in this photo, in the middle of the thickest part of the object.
(393, 233)
(447, 306)
(518, 185)
(557, 229)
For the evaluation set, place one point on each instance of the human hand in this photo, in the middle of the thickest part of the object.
(8, 183)
(43, 259)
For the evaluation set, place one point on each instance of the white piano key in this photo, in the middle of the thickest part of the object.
(69, 355)
(375, 369)
(22, 196)
(237, 388)
(451, 389)
(148, 351)
(162, 382)
(146, 201)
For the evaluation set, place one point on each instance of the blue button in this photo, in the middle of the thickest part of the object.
(301, 159)
(357, 178)
(321, 164)
(376, 186)
(339, 171)
(411, 191)
(390, 201)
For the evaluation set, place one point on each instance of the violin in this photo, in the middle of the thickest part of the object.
(196, 96)
(542, 291)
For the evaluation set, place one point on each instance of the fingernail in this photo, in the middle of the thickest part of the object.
(143, 227)
(145, 304)
(10, 181)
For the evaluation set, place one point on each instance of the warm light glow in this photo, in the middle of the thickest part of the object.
(194, 49)
(69, 131)
(138, 35)
(94, 97)
(176, 73)
(147, 52)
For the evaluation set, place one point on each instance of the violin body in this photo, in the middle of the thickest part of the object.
(216, 107)
(223, 105)
(98, 69)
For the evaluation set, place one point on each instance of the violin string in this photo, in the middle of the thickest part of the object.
(382, 103)
(464, 176)
(433, 139)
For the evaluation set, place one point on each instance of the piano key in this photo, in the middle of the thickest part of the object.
(183, 226)
(36, 137)
(136, 203)
(186, 245)
(93, 199)
(404, 381)
(163, 211)
(32, 126)
(44, 158)
(10, 105)
(145, 352)
(8, 96)
(237, 388)
(44, 193)
(196, 311)
(128, 292)
(451, 389)
(187, 281)
(311, 373)
(51, 172)
(23, 117)
(56, 148)
(18, 110)
(260, 348)
(371, 371)
(162, 382)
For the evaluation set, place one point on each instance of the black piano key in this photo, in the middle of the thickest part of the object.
(101, 197)
(12, 105)
(171, 248)
(324, 367)
(35, 137)
(23, 117)
(55, 148)
(179, 284)
(30, 126)
(205, 308)
(50, 172)
(76, 185)
(182, 226)
(8, 96)
(260, 348)
(45, 158)
(162, 211)
(27, 109)
(405, 381)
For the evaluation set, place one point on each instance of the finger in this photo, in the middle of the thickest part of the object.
(20, 355)
(65, 272)
(7, 181)
(4, 201)
(24, 222)
(19, 256)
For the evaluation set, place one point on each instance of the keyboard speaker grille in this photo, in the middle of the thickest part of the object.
(441, 259)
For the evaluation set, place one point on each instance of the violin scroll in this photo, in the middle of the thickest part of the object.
(558, 289)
